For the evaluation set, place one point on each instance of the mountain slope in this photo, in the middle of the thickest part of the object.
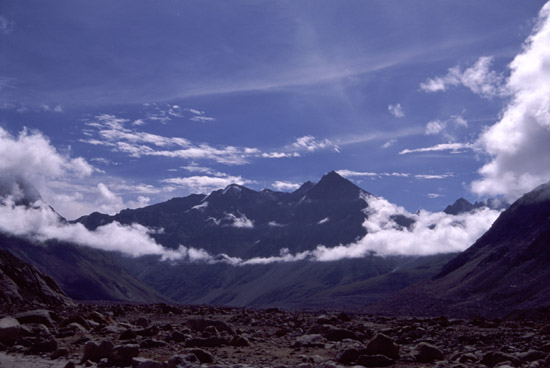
(506, 270)
(22, 286)
(83, 273)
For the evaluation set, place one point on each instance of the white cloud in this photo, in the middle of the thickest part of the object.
(350, 174)
(434, 195)
(6, 25)
(478, 78)
(311, 144)
(396, 110)
(112, 133)
(206, 184)
(138, 122)
(389, 143)
(435, 127)
(519, 144)
(285, 186)
(240, 221)
(280, 154)
(40, 223)
(202, 119)
(30, 157)
(453, 147)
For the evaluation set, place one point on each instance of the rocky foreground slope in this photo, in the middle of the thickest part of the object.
(151, 336)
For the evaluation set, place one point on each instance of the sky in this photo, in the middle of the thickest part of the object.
(106, 105)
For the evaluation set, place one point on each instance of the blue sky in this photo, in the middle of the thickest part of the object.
(163, 99)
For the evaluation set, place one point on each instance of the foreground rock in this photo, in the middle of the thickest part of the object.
(199, 336)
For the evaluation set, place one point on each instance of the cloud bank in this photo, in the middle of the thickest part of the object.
(519, 144)
(431, 233)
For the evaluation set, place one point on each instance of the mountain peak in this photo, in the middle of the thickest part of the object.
(461, 205)
(334, 186)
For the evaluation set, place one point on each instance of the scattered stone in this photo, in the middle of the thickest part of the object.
(200, 324)
(384, 345)
(427, 353)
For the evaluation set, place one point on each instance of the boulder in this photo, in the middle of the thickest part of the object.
(312, 340)
(377, 360)
(42, 316)
(381, 344)
(9, 330)
(123, 354)
(427, 353)
(43, 345)
(95, 352)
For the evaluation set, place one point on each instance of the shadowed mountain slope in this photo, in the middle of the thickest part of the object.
(505, 271)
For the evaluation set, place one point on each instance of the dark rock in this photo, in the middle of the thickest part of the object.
(43, 345)
(339, 335)
(427, 353)
(123, 354)
(69, 365)
(42, 316)
(142, 322)
(384, 345)
(9, 330)
(95, 352)
(200, 324)
(240, 341)
(492, 358)
(128, 335)
(151, 343)
(209, 342)
(58, 353)
(347, 356)
(179, 360)
(149, 331)
(312, 340)
(531, 356)
(377, 360)
(202, 355)
(147, 363)
(76, 319)
(178, 336)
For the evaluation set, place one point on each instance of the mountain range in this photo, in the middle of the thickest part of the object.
(241, 223)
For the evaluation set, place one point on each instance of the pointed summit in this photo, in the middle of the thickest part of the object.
(334, 186)
(461, 205)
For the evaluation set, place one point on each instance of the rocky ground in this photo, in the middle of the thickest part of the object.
(151, 336)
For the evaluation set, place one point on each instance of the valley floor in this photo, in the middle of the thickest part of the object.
(158, 336)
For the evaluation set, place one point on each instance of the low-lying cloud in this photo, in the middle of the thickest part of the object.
(431, 233)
